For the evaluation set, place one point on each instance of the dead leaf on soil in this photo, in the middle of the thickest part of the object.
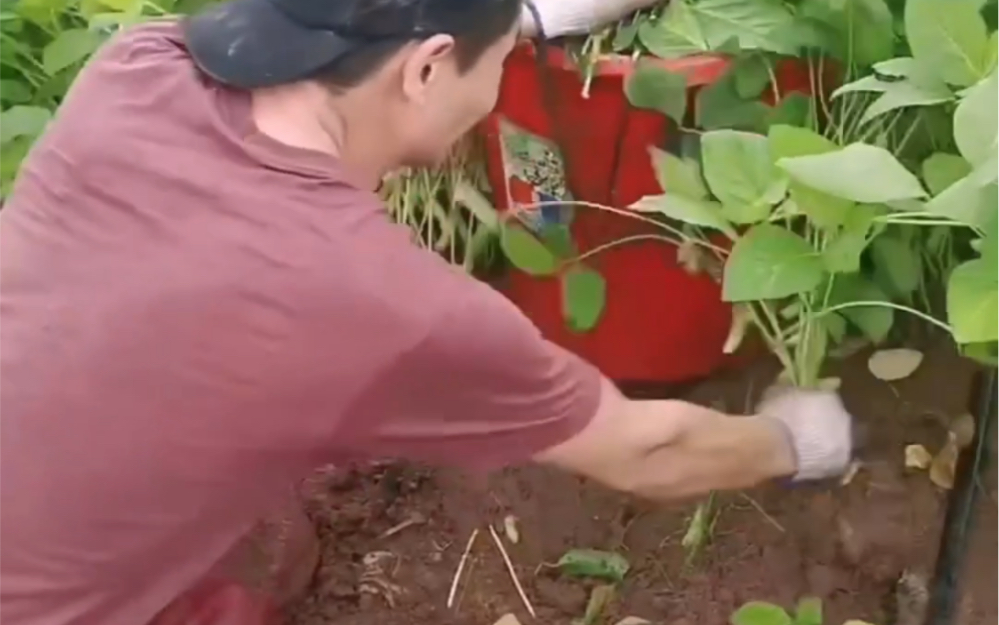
(963, 428)
(854, 621)
(945, 464)
(507, 619)
(737, 331)
(633, 620)
(917, 457)
(510, 529)
(912, 597)
(890, 365)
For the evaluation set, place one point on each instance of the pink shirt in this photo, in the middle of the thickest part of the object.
(194, 316)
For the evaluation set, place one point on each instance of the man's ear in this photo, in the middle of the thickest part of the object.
(424, 64)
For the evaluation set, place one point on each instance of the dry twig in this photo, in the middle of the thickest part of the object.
(513, 573)
(461, 567)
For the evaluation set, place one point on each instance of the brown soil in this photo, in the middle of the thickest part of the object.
(849, 545)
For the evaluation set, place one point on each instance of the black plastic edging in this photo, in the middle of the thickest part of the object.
(960, 515)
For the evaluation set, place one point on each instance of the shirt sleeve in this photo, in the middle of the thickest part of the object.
(482, 390)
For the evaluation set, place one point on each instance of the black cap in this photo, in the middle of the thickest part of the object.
(261, 43)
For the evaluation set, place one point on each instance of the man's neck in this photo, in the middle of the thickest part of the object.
(299, 119)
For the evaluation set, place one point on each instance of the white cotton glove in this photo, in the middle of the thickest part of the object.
(575, 17)
(819, 429)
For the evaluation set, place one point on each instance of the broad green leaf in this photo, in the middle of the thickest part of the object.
(704, 213)
(941, 170)
(842, 253)
(859, 172)
(603, 565)
(754, 24)
(992, 53)
(897, 264)
(870, 83)
(949, 37)
(526, 252)
(906, 94)
(973, 302)
(584, 293)
(864, 32)
(985, 353)
(750, 75)
(874, 321)
(760, 613)
(748, 214)
(626, 36)
(23, 121)
(769, 262)
(964, 201)
(738, 168)
(986, 172)
(791, 141)
(809, 612)
(718, 106)
(677, 175)
(15, 91)
(652, 87)
(11, 156)
(557, 238)
(794, 109)
(675, 34)
(976, 127)
(69, 48)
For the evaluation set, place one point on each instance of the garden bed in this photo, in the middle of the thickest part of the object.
(849, 545)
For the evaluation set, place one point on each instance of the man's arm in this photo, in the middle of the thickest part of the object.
(484, 390)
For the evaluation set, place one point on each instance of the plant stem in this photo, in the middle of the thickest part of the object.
(908, 309)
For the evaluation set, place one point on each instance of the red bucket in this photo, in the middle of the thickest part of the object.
(660, 324)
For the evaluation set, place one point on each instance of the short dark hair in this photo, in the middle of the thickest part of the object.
(486, 23)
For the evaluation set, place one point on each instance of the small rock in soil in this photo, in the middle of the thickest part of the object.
(568, 598)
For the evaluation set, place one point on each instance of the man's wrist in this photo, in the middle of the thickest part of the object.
(781, 460)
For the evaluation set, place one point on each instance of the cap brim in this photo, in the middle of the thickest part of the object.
(249, 44)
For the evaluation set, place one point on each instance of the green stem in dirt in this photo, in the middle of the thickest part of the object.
(912, 311)
(770, 329)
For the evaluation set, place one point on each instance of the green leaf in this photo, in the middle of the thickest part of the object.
(941, 170)
(874, 321)
(738, 168)
(754, 24)
(899, 264)
(23, 121)
(906, 94)
(794, 109)
(718, 106)
(69, 48)
(584, 293)
(809, 612)
(704, 213)
(964, 201)
(677, 175)
(760, 613)
(748, 214)
(973, 302)
(791, 141)
(15, 91)
(751, 75)
(859, 172)
(976, 126)
(985, 353)
(949, 37)
(652, 87)
(526, 252)
(593, 563)
(769, 262)
(863, 29)
(842, 253)
(675, 34)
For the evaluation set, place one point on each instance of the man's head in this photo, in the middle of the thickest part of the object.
(424, 71)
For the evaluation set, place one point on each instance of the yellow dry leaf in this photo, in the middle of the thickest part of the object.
(917, 457)
(945, 464)
(963, 428)
(894, 364)
(507, 619)
(510, 529)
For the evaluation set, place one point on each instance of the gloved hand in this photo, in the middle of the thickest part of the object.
(819, 429)
(575, 17)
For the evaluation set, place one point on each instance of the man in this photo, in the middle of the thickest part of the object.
(203, 300)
